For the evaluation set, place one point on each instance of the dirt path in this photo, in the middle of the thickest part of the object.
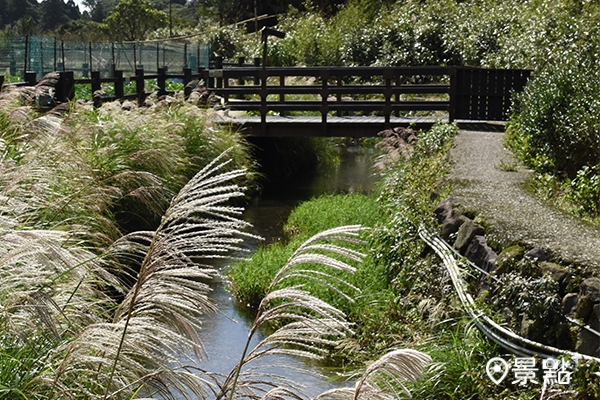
(483, 183)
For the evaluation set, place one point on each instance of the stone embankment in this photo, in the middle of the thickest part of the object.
(494, 221)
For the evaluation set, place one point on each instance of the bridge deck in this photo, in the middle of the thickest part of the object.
(355, 126)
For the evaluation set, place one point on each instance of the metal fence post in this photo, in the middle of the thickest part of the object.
(26, 56)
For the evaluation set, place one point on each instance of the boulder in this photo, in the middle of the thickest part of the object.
(588, 342)
(591, 288)
(466, 232)
(568, 304)
(589, 296)
(451, 224)
(556, 271)
(537, 254)
(481, 254)
(508, 257)
(443, 210)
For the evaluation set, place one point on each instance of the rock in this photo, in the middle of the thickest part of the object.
(443, 210)
(556, 271)
(591, 287)
(466, 232)
(568, 304)
(537, 254)
(584, 307)
(508, 257)
(588, 342)
(481, 254)
(533, 329)
(589, 296)
(451, 224)
(563, 337)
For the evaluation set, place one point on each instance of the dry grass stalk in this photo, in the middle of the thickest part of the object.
(158, 319)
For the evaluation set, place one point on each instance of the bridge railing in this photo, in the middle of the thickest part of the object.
(474, 94)
(379, 90)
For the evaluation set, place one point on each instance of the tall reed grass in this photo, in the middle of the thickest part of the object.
(105, 257)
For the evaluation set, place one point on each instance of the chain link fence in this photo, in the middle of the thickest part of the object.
(42, 54)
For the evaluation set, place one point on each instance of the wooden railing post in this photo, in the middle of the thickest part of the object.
(187, 78)
(397, 97)
(96, 86)
(30, 78)
(241, 61)
(282, 95)
(338, 96)
(219, 65)
(324, 97)
(453, 94)
(388, 74)
(256, 65)
(264, 75)
(65, 87)
(139, 85)
(119, 81)
(161, 80)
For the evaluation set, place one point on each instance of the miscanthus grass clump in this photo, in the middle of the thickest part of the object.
(106, 242)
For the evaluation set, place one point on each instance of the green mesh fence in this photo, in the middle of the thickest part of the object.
(43, 54)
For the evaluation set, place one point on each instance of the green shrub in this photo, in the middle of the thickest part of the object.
(584, 191)
(555, 127)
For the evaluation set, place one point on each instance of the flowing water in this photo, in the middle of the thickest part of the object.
(224, 335)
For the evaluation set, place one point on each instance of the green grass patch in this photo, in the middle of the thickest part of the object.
(250, 279)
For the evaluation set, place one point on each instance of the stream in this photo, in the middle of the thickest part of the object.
(224, 335)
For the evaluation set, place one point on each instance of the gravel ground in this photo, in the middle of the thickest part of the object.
(485, 181)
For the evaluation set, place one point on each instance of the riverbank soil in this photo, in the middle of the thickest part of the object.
(487, 180)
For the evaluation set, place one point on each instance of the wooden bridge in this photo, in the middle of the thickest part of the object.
(361, 101)
(329, 101)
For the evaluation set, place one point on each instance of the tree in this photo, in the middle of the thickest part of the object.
(132, 20)
(15, 10)
(54, 14)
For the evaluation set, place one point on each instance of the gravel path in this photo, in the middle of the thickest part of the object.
(483, 184)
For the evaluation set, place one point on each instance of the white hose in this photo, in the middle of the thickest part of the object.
(500, 335)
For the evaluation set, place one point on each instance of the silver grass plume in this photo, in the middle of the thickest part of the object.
(310, 324)
(384, 379)
(158, 319)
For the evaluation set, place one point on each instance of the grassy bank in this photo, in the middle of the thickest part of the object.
(402, 293)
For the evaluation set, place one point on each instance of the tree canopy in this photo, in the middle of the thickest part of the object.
(132, 20)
